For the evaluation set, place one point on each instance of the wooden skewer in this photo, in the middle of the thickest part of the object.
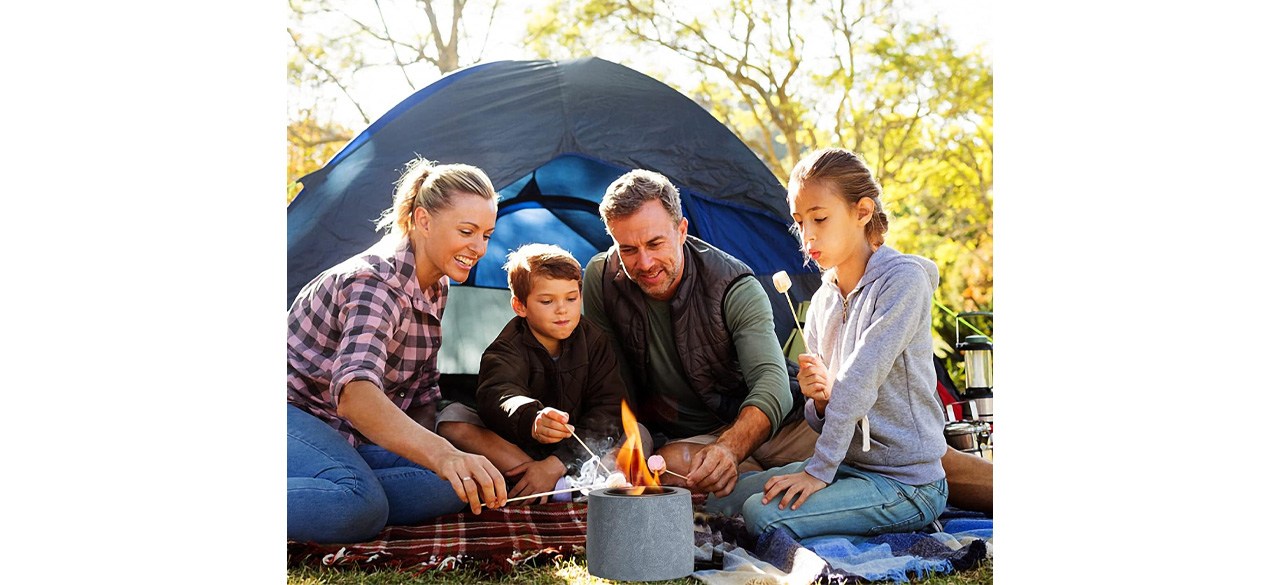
(550, 493)
(593, 455)
(675, 474)
(782, 282)
(799, 328)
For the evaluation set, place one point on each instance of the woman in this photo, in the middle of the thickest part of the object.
(362, 377)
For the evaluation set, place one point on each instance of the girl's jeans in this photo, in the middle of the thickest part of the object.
(339, 493)
(856, 503)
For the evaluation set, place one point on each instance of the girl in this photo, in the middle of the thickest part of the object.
(362, 378)
(869, 332)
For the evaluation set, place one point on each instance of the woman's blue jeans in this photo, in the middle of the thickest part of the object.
(340, 494)
(857, 503)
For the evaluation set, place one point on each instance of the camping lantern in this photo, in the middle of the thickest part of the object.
(977, 362)
(978, 369)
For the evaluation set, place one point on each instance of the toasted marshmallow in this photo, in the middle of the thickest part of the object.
(657, 464)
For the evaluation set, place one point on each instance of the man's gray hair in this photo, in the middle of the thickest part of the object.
(625, 195)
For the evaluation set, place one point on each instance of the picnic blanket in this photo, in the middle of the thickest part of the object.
(493, 542)
(779, 557)
(497, 541)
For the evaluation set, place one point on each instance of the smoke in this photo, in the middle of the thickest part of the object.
(593, 473)
(589, 477)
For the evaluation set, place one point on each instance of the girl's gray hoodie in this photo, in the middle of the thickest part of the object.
(878, 349)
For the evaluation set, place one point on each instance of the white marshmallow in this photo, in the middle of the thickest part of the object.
(615, 480)
(781, 281)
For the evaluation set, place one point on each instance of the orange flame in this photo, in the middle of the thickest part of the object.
(631, 460)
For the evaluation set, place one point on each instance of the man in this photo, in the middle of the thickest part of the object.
(693, 331)
(694, 334)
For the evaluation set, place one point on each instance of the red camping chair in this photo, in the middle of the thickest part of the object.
(947, 393)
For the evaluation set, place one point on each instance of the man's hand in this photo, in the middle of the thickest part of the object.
(536, 477)
(813, 380)
(551, 426)
(792, 486)
(714, 469)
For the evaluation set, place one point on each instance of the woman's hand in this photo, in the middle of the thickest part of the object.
(536, 477)
(792, 486)
(551, 426)
(474, 479)
(813, 380)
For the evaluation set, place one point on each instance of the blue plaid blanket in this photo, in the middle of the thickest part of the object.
(779, 557)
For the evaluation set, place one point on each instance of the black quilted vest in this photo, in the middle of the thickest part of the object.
(703, 340)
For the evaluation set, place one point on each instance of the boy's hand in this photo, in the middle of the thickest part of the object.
(536, 477)
(813, 380)
(551, 426)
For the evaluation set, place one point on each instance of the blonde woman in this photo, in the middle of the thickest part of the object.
(362, 377)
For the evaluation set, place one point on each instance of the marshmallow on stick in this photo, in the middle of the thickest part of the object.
(782, 282)
(616, 480)
(658, 465)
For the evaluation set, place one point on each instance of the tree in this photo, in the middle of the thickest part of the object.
(788, 77)
(335, 45)
(311, 145)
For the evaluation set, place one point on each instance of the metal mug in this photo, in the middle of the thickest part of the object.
(967, 436)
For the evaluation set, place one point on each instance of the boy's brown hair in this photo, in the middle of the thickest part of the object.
(546, 260)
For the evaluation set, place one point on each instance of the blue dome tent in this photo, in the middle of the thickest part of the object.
(551, 135)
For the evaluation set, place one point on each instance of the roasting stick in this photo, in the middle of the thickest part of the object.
(593, 455)
(655, 459)
(623, 483)
(782, 282)
(550, 493)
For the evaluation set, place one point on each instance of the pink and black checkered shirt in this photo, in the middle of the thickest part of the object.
(366, 319)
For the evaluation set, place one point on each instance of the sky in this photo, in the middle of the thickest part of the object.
(146, 235)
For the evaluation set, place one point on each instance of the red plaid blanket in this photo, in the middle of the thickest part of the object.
(496, 541)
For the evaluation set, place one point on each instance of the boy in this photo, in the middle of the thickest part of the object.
(545, 369)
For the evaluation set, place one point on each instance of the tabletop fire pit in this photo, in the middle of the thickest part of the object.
(643, 532)
(642, 537)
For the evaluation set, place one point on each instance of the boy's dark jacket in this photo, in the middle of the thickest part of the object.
(518, 378)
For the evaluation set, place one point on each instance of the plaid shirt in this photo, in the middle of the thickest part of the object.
(366, 319)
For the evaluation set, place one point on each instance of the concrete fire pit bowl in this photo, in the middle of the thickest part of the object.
(646, 537)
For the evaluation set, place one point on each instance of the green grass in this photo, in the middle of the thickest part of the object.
(569, 572)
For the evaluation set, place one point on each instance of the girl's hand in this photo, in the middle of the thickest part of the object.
(536, 477)
(813, 380)
(792, 486)
(551, 426)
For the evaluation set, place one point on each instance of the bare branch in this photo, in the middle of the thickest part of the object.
(436, 37)
(334, 78)
(493, 13)
(394, 52)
